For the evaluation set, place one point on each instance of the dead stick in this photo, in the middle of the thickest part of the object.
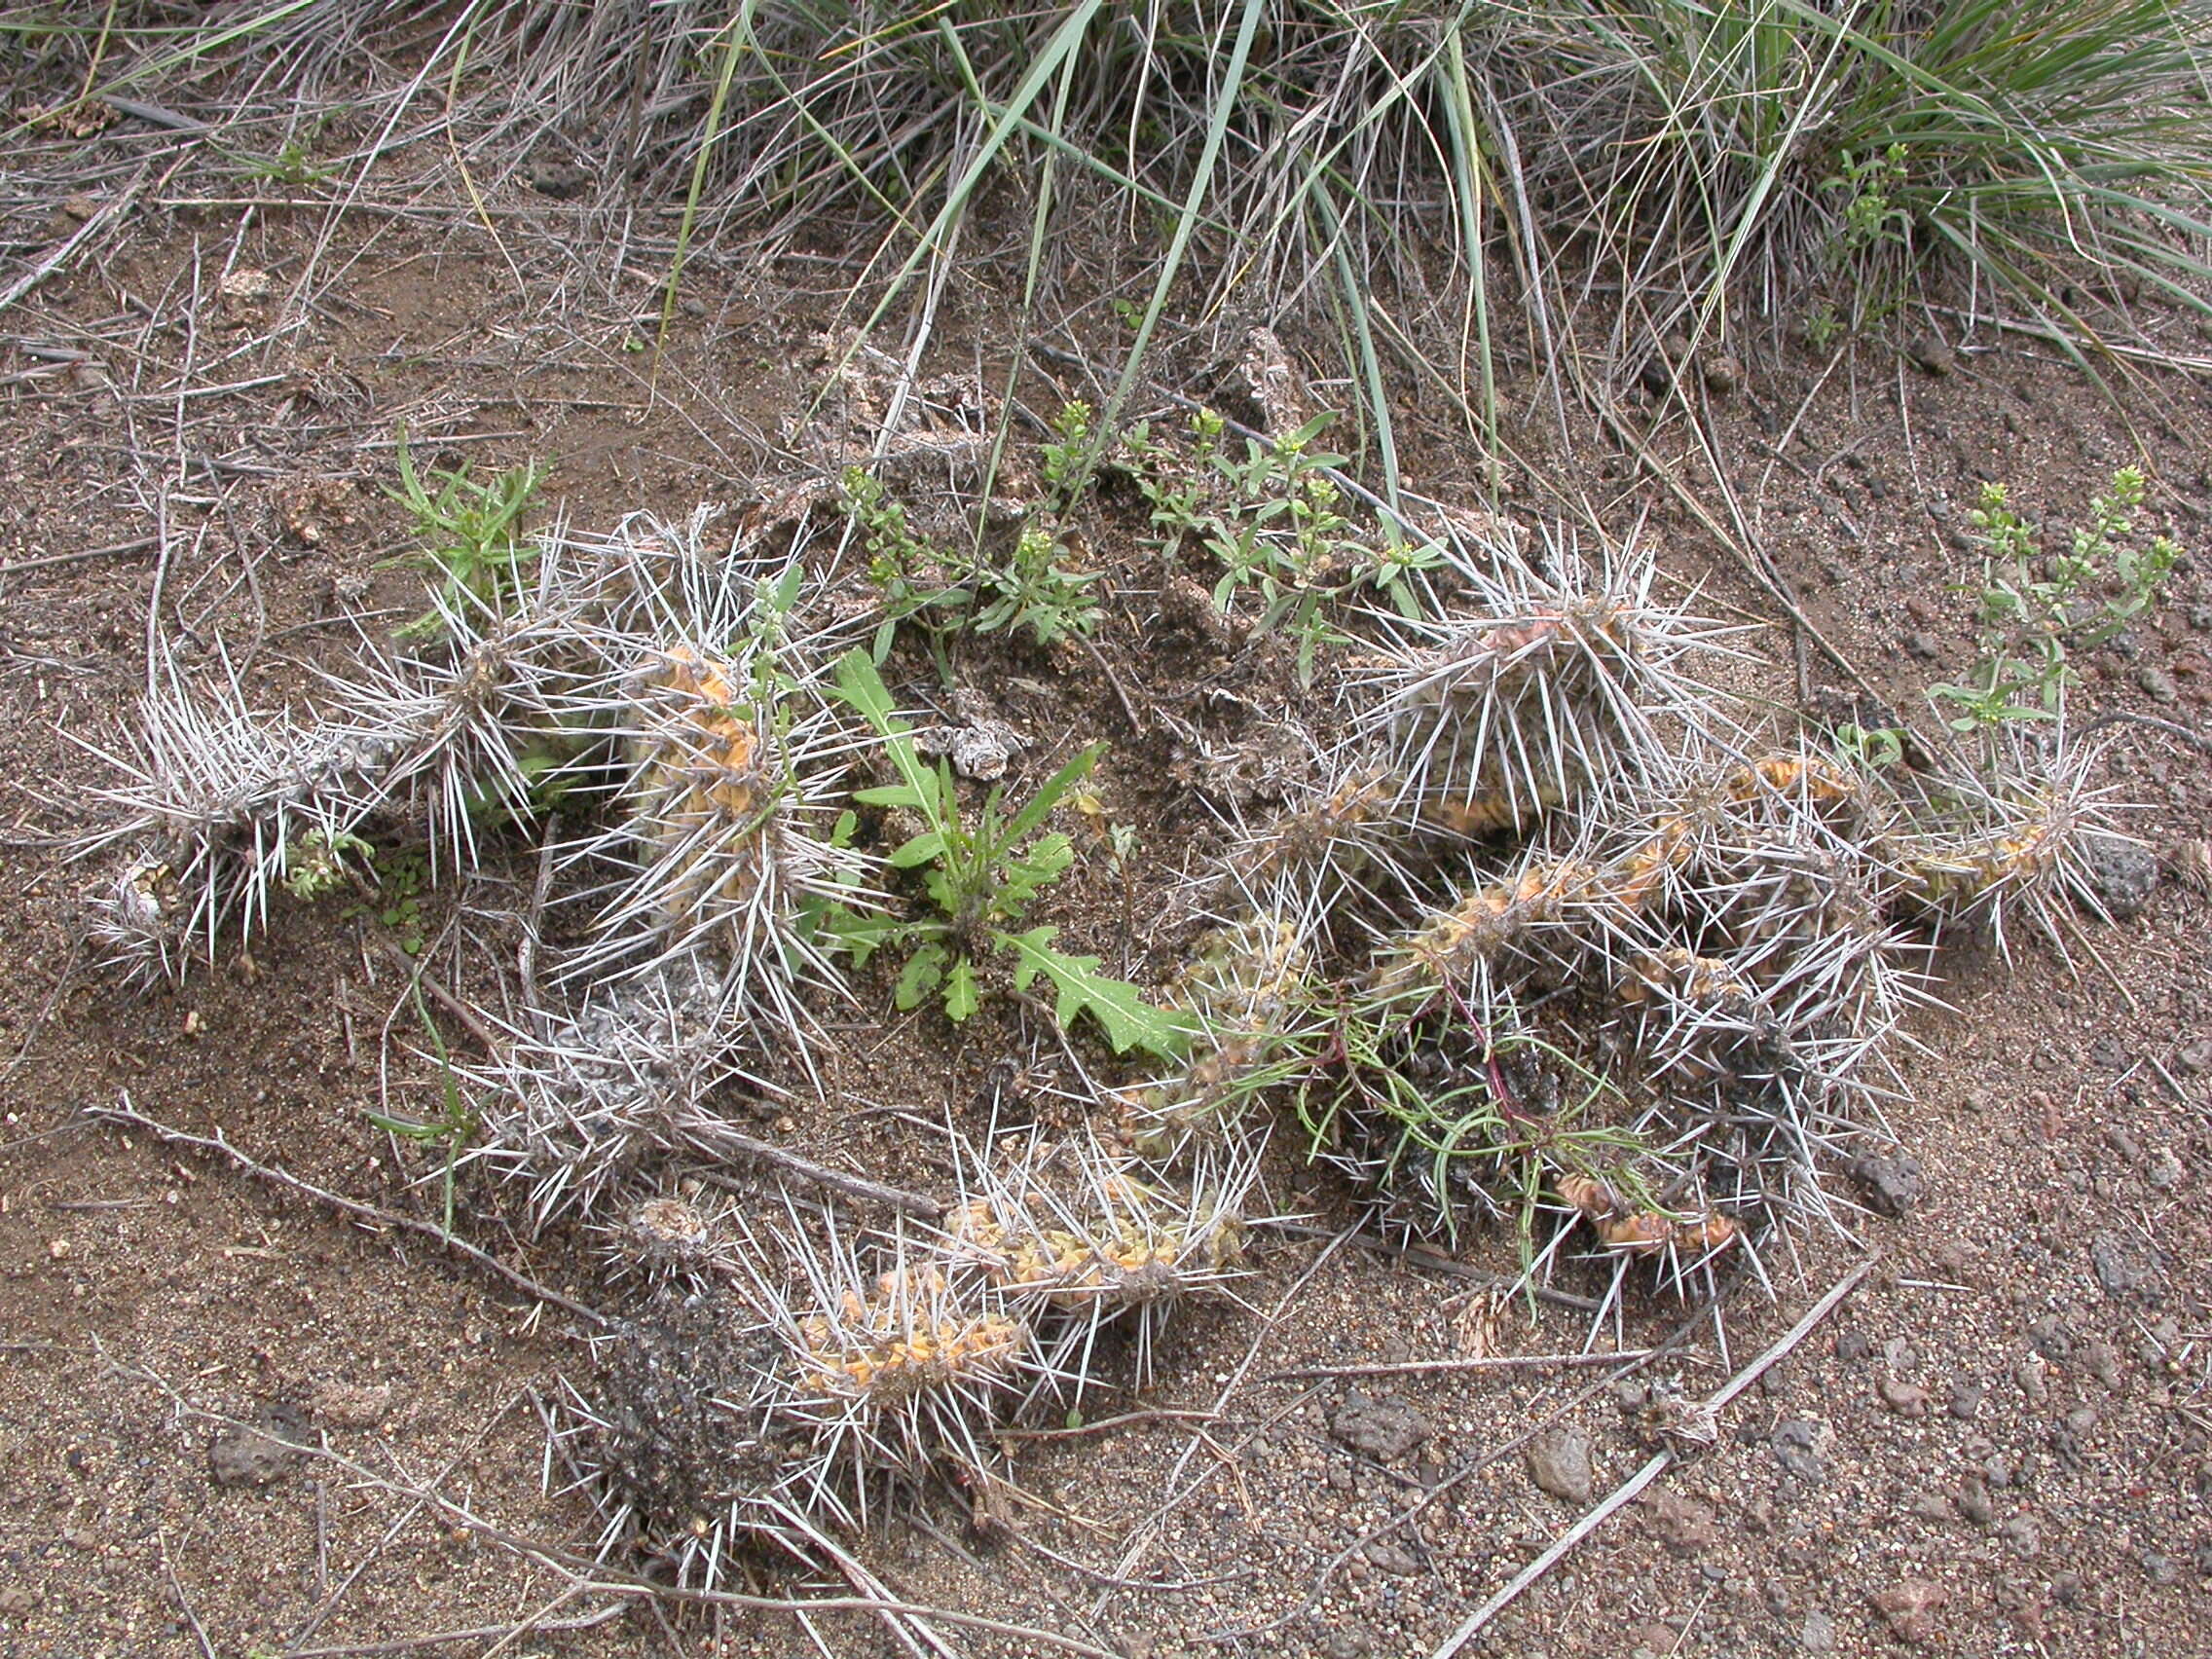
(1493, 1362)
(836, 1180)
(1626, 1492)
(481, 1633)
(127, 1114)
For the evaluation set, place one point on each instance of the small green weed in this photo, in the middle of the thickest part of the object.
(292, 164)
(1878, 747)
(1871, 180)
(1271, 518)
(944, 590)
(1038, 589)
(454, 1128)
(2035, 610)
(401, 880)
(470, 533)
(916, 577)
(314, 864)
(980, 878)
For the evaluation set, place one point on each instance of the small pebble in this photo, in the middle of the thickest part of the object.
(1976, 1504)
(1906, 1399)
(2157, 683)
(1558, 1463)
(1892, 1185)
(1910, 1608)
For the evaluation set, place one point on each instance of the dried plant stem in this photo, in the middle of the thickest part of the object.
(1628, 1491)
(835, 1180)
(482, 1632)
(1492, 1362)
(126, 1112)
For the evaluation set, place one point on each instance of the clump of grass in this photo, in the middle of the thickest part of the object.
(1695, 160)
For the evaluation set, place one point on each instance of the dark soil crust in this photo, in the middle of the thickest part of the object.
(2011, 1412)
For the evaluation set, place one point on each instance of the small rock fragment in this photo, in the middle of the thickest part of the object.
(1974, 1502)
(1390, 1557)
(1795, 1442)
(1817, 1634)
(1684, 1525)
(2118, 1275)
(261, 1454)
(2117, 877)
(1906, 1399)
(1384, 1430)
(352, 1405)
(1558, 1463)
(1930, 356)
(564, 181)
(2050, 1337)
(1892, 1185)
(1910, 1607)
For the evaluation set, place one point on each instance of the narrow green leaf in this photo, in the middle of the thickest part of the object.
(928, 845)
(1047, 796)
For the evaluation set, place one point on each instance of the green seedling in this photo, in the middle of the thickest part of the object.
(980, 875)
(1271, 520)
(293, 165)
(314, 864)
(454, 1128)
(1038, 590)
(1871, 180)
(2034, 610)
(470, 533)
(942, 590)
(919, 581)
(401, 880)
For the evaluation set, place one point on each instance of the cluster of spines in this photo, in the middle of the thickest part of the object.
(1537, 691)
(1990, 849)
(1250, 999)
(1079, 1238)
(579, 1106)
(217, 799)
(663, 1235)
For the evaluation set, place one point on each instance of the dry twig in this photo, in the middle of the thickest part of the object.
(1628, 1491)
(126, 1112)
